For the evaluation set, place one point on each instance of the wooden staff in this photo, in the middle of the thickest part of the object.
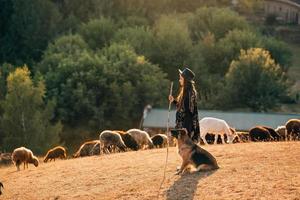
(168, 135)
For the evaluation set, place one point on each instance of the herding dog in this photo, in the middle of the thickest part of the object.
(191, 153)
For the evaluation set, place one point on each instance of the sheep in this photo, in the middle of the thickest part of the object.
(210, 138)
(56, 152)
(260, 133)
(160, 140)
(5, 159)
(96, 149)
(24, 155)
(142, 138)
(109, 139)
(129, 141)
(281, 130)
(243, 136)
(1, 185)
(293, 128)
(273, 133)
(86, 149)
(217, 127)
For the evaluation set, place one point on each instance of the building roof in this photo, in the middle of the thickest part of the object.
(157, 118)
(295, 3)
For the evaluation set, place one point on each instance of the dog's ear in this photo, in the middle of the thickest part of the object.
(175, 133)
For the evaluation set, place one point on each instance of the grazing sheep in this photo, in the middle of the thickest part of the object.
(273, 133)
(243, 136)
(86, 149)
(110, 139)
(293, 128)
(56, 152)
(24, 155)
(217, 127)
(210, 138)
(160, 140)
(129, 141)
(96, 149)
(281, 130)
(5, 159)
(259, 133)
(142, 138)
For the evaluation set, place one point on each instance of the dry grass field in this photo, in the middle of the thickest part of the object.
(247, 171)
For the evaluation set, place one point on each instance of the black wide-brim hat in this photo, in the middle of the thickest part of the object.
(187, 74)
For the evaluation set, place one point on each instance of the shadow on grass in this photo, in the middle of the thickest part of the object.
(185, 187)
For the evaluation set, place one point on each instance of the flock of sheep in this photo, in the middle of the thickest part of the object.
(212, 130)
(109, 142)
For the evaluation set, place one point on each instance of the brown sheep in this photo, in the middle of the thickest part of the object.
(281, 130)
(293, 128)
(86, 149)
(243, 136)
(273, 133)
(5, 159)
(129, 141)
(260, 133)
(24, 155)
(160, 140)
(96, 149)
(56, 152)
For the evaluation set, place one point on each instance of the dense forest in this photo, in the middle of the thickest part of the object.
(71, 68)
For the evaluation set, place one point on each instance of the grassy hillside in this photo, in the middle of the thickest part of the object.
(247, 171)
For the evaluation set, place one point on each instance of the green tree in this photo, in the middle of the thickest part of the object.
(32, 24)
(218, 21)
(255, 81)
(99, 90)
(279, 51)
(173, 44)
(139, 83)
(230, 46)
(98, 32)
(26, 120)
(5, 70)
(140, 38)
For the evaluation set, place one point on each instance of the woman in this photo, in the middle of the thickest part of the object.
(186, 104)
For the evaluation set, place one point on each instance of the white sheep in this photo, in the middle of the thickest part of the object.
(141, 137)
(24, 155)
(110, 139)
(217, 127)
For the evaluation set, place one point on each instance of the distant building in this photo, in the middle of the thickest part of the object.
(157, 119)
(287, 11)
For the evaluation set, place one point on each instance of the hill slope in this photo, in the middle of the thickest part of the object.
(247, 171)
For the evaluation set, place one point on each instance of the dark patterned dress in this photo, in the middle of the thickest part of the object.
(187, 116)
